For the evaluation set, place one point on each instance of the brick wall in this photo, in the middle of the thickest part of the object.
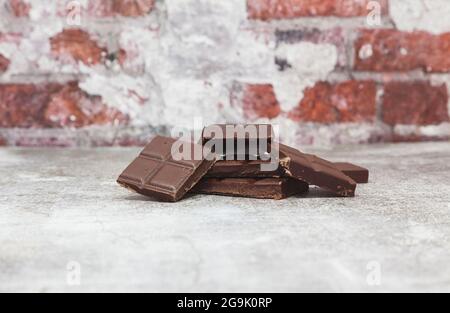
(94, 73)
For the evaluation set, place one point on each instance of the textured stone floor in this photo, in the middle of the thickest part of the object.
(66, 226)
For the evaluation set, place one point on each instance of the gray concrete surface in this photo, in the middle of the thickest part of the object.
(66, 226)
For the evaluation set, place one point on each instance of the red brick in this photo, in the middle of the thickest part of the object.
(2, 142)
(129, 8)
(78, 45)
(72, 107)
(133, 8)
(53, 105)
(415, 103)
(4, 63)
(287, 9)
(392, 50)
(259, 101)
(22, 105)
(350, 101)
(19, 8)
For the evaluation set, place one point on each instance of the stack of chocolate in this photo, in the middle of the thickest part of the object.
(235, 162)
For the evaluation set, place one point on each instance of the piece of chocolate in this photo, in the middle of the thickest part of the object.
(238, 142)
(242, 169)
(316, 171)
(261, 188)
(357, 173)
(159, 174)
(238, 131)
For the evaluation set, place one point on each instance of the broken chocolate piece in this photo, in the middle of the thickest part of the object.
(238, 132)
(261, 188)
(242, 169)
(238, 142)
(316, 171)
(357, 173)
(157, 174)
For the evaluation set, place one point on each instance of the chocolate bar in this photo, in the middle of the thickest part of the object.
(359, 174)
(316, 171)
(160, 173)
(157, 174)
(241, 142)
(242, 169)
(261, 188)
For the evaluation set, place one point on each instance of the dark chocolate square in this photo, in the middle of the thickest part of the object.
(157, 174)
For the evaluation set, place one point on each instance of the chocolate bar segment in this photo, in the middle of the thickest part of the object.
(238, 131)
(238, 142)
(157, 174)
(357, 173)
(316, 171)
(261, 188)
(242, 169)
(252, 169)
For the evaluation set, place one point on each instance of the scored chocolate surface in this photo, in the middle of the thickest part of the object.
(316, 171)
(357, 173)
(261, 188)
(156, 174)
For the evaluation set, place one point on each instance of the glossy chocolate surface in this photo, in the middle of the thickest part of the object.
(357, 173)
(155, 173)
(316, 171)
